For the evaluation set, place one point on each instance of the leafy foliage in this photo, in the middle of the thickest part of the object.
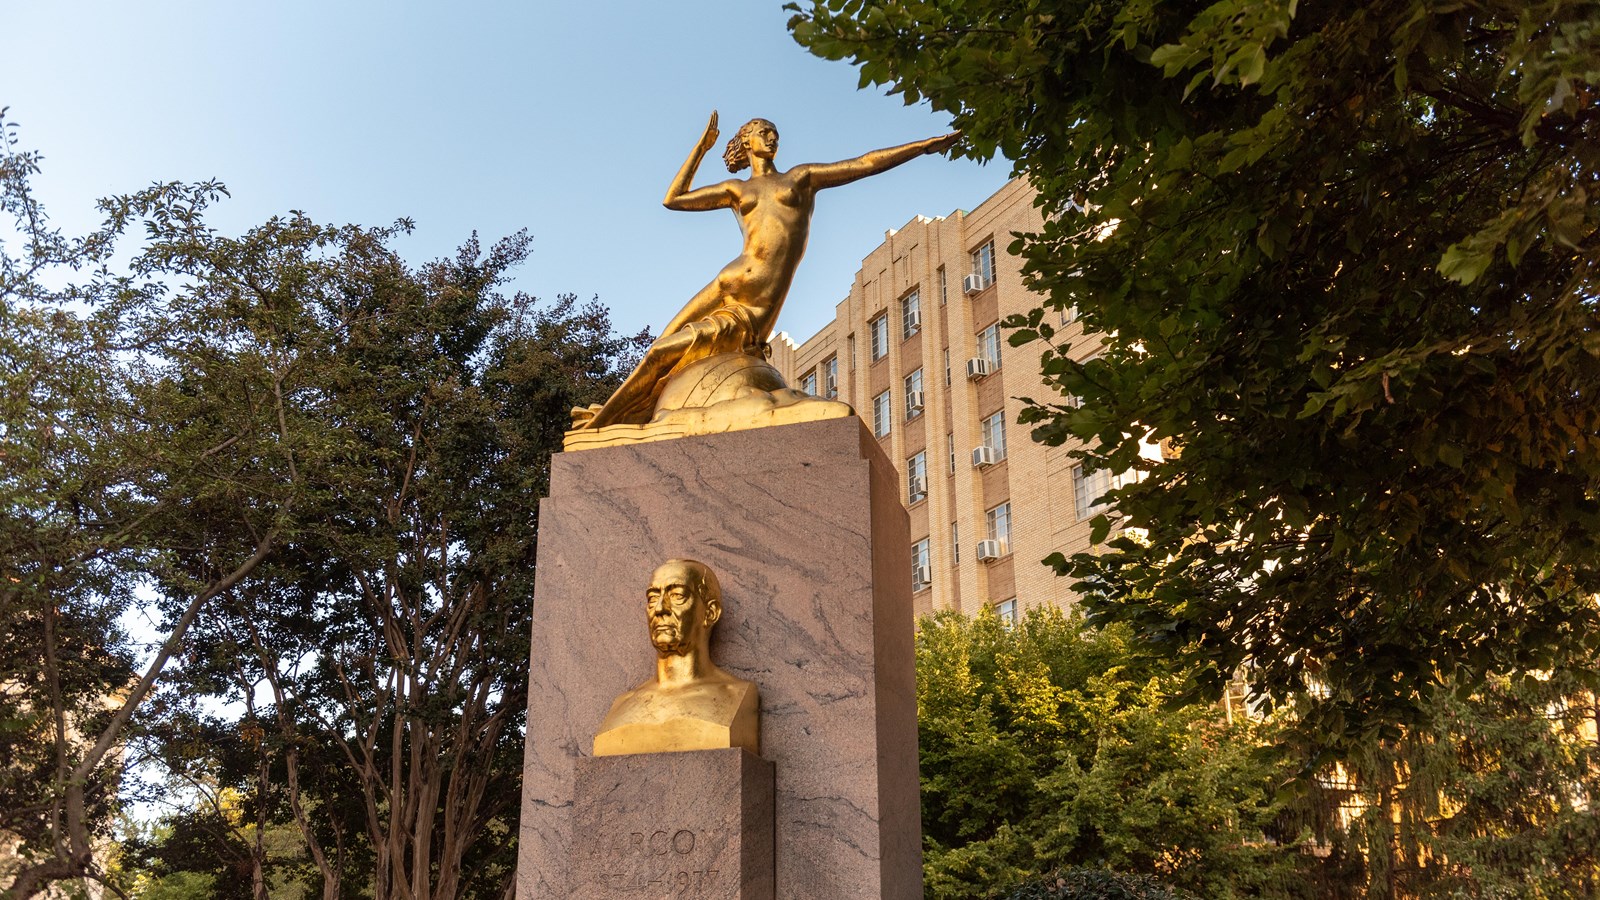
(1095, 884)
(1045, 746)
(178, 886)
(1492, 800)
(378, 659)
(325, 466)
(213, 844)
(100, 458)
(1050, 765)
(1343, 257)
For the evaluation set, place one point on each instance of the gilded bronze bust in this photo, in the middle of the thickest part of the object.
(690, 704)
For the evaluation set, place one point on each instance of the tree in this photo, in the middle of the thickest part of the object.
(101, 456)
(1094, 884)
(324, 464)
(1049, 761)
(1046, 746)
(1343, 259)
(379, 658)
(1491, 800)
(222, 832)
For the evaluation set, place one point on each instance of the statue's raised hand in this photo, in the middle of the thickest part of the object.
(709, 139)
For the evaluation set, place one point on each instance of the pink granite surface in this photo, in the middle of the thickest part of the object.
(803, 525)
(692, 826)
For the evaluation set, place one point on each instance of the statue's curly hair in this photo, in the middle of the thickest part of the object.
(736, 156)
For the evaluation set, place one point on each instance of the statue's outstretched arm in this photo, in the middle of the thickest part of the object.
(717, 196)
(827, 175)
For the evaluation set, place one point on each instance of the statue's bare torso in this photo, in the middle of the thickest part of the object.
(774, 215)
(739, 308)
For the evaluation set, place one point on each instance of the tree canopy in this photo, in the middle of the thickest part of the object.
(1047, 744)
(313, 469)
(1343, 260)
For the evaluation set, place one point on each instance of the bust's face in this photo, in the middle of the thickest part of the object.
(677, 609)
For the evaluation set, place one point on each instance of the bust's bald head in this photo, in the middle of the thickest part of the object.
(682, 604)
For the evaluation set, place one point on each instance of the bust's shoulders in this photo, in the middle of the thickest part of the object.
(721, 683)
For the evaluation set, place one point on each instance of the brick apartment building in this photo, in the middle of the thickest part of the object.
(917, 349)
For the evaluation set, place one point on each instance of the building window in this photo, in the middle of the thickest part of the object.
(917, 477)
(1073, 400)
(830, 378)
(998, 521)
(914, 396)
(910, 315)
(989, 344)
(994, 433)
(921, 570)
(1088, 489)
(947, 367)
(950, 439)
(1069, 314)
(944, 288)
(1007, 611)
(808, 382)
(879, 329)
(983, 262)
(955, 543)
(880, 414)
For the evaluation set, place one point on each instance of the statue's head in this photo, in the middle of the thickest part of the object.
(682, 603)
(758, 137)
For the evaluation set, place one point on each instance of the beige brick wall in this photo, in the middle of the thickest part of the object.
(1036, 481)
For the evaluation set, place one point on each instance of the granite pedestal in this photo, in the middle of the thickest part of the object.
(694, 825)
(803, 526)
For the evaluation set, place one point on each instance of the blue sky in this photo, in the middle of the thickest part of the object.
(568, 119)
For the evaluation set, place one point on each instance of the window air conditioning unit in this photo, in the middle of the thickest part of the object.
(983, 456)
(913, 320)
(979, 367)
(914, 401)
(974, 283)
(921, 577)
(919, 486)
(988, 550)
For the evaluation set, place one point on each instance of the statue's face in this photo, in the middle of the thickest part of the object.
(761, 139)
(680, 616)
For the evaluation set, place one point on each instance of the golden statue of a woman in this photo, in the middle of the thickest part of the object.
(736, 312)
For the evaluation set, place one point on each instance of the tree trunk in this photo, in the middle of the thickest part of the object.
(74, 853)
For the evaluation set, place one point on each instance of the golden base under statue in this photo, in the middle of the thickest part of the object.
(726, 392)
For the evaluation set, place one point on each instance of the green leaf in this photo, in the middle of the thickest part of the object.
(1450, 455)
(1253, 64)
(1464, 263)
